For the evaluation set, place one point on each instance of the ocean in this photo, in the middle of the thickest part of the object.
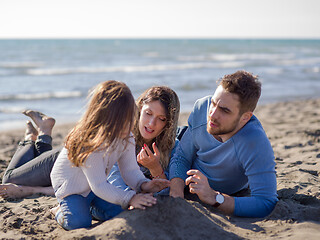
(54, 76)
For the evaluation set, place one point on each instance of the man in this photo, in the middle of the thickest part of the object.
(227, 151)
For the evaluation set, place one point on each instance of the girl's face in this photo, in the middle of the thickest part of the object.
(152, 120)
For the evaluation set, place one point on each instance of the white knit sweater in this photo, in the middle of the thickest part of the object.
(68, 179)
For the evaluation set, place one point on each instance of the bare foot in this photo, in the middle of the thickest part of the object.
(31, 133)
(10, 190)
(54, 210)
(44, 123)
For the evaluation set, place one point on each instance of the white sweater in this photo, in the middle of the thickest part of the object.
(68, 179)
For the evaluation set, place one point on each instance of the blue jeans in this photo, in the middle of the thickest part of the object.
(77, 211)
(115, 178)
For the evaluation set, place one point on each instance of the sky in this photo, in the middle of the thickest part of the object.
(160, 19)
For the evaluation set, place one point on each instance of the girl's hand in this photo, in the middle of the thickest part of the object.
(151, 160)
(155, 185)
(142, 201)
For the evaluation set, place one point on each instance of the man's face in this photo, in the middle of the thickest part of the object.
(223, 117)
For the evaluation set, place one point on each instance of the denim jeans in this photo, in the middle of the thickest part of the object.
(32, 163)
(115, 178)
(77, 211)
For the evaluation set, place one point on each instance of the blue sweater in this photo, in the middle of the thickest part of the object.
(246, 159)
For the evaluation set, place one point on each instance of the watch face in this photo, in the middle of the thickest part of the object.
(220, 198)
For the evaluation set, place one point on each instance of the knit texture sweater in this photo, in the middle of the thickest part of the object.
(68, 179)
(244, 160)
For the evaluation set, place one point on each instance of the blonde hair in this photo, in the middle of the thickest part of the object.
(166, 139)
(110, 110)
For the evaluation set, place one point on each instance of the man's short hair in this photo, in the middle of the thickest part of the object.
(246, 86)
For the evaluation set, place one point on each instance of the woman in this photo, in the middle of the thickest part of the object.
(155, 133)
(155, 126)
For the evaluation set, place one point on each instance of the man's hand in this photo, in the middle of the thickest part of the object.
(142, 201)
(177, 188)
(155, 185)
(198, 184)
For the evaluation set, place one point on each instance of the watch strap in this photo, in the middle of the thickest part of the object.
(217, 204)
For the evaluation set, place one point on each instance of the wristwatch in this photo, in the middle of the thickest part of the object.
(219, 200)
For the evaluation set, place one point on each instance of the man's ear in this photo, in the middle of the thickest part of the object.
(246, 116)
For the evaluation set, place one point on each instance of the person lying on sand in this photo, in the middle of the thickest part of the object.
(226, 151)
(154, 131)
(29, 169)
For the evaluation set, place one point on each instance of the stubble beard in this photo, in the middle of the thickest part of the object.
(222, 131)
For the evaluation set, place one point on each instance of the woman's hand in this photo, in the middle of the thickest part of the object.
(151, 160)
(155, 185)
(142, 201)
(148, 159)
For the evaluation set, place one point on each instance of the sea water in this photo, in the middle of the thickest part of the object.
(54, 76)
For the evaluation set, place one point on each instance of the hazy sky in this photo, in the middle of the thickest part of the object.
(159, 18)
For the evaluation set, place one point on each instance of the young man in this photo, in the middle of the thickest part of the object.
(227, 151)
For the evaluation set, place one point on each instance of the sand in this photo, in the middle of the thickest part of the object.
(294, 131)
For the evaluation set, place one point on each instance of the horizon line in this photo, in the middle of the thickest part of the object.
(159, 38)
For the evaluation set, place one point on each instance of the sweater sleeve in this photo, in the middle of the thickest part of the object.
(263, 197)
(130, 170)
(186, 150)
(182, 159)
(95, 172)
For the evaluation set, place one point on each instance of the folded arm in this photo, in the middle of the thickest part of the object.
(263, 197)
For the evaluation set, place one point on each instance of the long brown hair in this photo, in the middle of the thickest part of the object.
(166, 139)
(110, 110)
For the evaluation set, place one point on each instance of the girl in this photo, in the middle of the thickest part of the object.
(101, 138)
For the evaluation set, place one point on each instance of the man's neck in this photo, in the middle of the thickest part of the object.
(218, 138)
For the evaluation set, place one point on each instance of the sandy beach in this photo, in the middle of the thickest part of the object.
(294, 131)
